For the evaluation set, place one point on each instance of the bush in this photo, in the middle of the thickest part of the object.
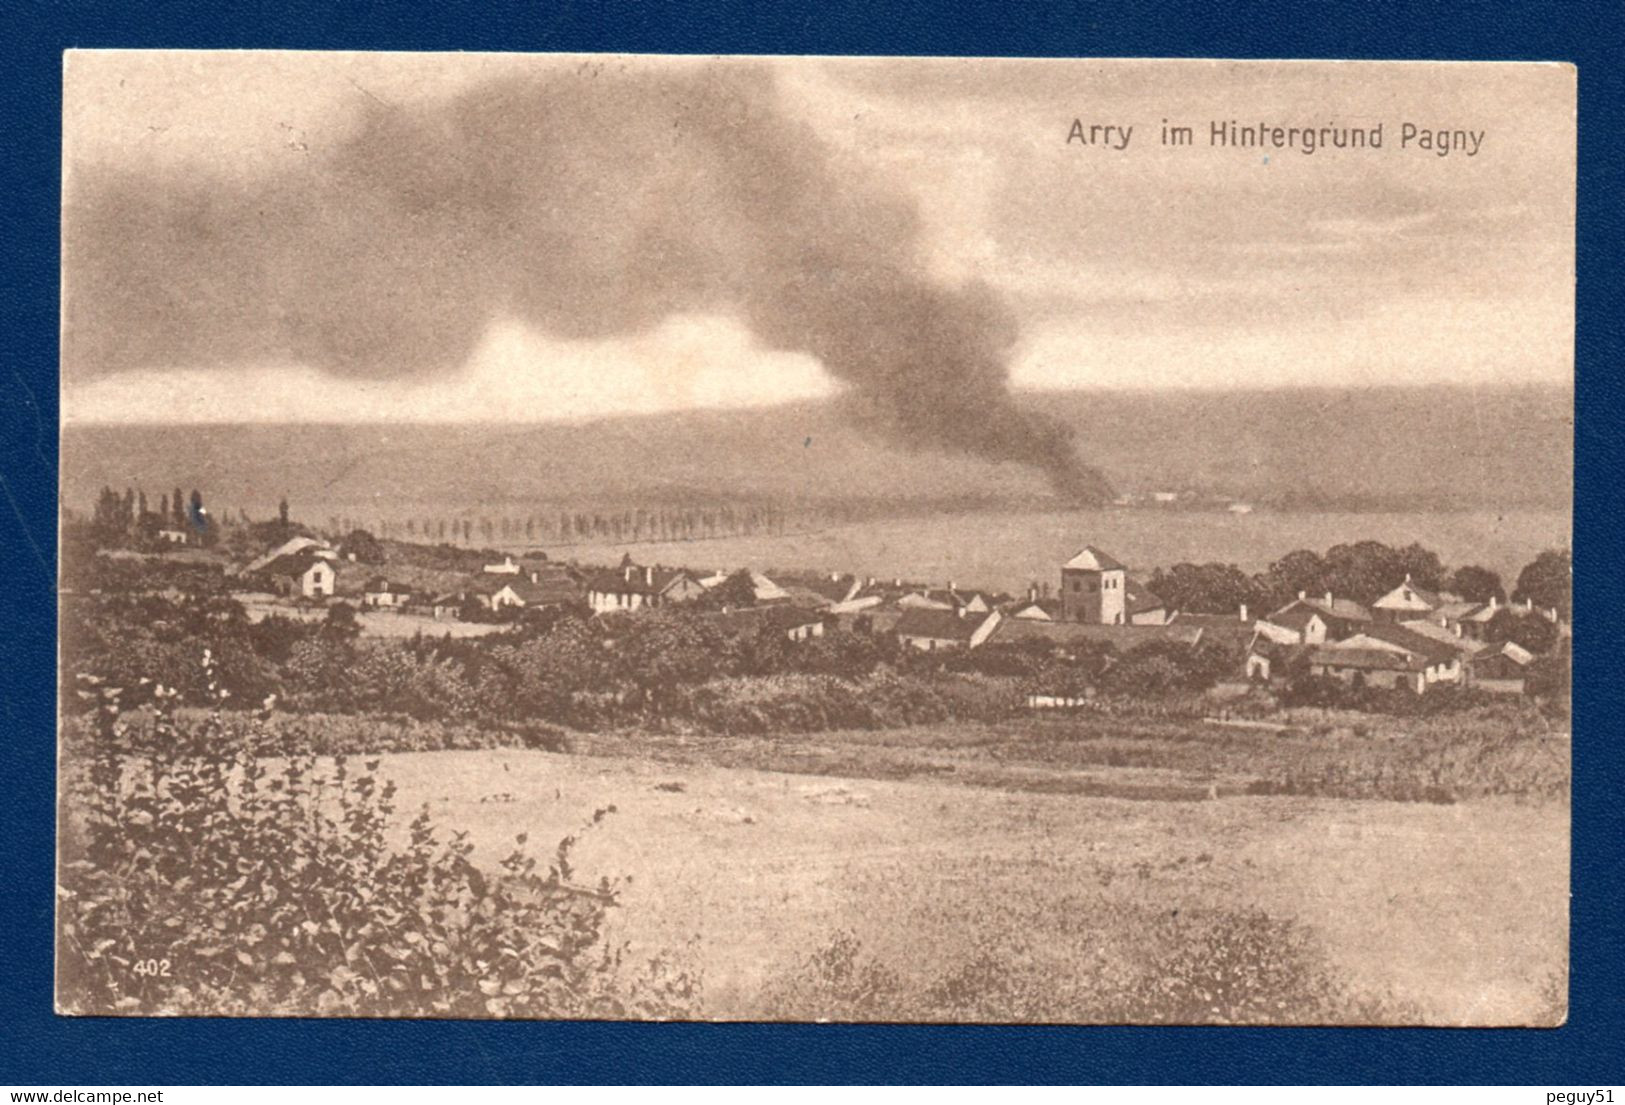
(200, 877)
(1198, 967)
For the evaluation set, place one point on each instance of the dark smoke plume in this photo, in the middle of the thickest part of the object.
(588, 204)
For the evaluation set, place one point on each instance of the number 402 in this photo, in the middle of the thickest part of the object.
(157, 968)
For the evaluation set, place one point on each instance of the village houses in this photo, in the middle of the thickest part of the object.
(945, 630)
(302, 574)
(631, 587)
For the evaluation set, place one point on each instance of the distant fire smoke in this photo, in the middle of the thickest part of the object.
(588, 203)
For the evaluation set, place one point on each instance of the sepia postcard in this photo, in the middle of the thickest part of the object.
(815, 539)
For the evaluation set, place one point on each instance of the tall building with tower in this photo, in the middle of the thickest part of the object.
(1093, 588)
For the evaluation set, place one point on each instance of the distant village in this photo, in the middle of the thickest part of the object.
(1410, 637)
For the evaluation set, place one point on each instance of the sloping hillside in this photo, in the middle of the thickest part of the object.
(1432, 448)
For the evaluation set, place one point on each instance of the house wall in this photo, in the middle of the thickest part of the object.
(317, 580)
(1416, 681)
(1093, 597)
(606, 602)
(683, 590)
(929, 644)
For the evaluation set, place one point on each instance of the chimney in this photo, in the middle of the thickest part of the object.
(951, 586)
(1328, 598)
(1032, 592)
(897, 582)
(1495, 603)
(1242, 613)
(1303, 595)
(1458, 629)
(961, 611)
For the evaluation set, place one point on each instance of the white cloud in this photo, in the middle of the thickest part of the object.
(515, 375)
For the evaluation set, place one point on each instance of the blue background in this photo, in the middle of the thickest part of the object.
(38, 1048)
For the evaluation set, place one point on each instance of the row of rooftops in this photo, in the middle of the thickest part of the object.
(953, 613)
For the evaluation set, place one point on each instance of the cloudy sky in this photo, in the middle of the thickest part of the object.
(261, 236)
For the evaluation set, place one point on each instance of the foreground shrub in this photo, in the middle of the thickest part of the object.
(1205, 967)
(203, 875)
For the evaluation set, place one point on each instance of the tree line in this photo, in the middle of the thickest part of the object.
(577, 526)
(1362, 571)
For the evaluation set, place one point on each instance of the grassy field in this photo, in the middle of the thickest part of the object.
(1008, 550)
(786, 888)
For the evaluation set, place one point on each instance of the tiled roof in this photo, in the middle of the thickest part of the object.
(1346, 609)
(941, 625)
(1091, 559)
(1295, 617)
(1123, 636)
(614, 581)
(1428, 598)
(1051, 607)
(294, 564)
(1138, 600)
(1444, 636)
(1436, 652)
(1370, 659)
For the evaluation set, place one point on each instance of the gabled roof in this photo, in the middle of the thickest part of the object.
(940, 625)
(1397, 597)
(1408, 639)
(1123, 636)
(1295, 617)
(1444, 636)
(828, 587)
(1275, 650)
(1345, 609)
(1091, 559)
(927, 600)
(614, 581)
(1138, 600)
(288, 548)
(789, 617)
(296, 564)
(1515, 652)
(1370, 659)
(549, 589)
(378, 585)
(547, 592)
(1036, 610)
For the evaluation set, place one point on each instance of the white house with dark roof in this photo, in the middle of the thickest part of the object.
(634, 587)
(380, 593)
(945, 630)
(304, 573)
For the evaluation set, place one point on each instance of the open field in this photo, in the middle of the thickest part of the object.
(1009, 549)
(1450, 914)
